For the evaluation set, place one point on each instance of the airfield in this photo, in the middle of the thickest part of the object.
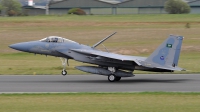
(32, 90)
(96, 83)
(144, 92)
(137, 35)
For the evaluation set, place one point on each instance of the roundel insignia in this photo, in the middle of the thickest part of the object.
(162, 58)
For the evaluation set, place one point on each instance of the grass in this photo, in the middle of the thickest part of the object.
(108, 18)
(24, 63)
(137, 35)
(93, 102)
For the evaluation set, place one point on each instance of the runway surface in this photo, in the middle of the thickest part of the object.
(96, 83)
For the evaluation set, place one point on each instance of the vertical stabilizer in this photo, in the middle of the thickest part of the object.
(167, 54)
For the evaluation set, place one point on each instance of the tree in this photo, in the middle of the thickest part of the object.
(177, 7)
(76, 11)
(11, 7)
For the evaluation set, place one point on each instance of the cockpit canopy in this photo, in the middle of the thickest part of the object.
(56, 39)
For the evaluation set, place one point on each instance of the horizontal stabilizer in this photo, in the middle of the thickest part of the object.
(168, 67)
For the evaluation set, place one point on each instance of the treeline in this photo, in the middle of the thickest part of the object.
(14, 7)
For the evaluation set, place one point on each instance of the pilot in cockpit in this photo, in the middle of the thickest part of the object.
(48, 40)
(55, 40)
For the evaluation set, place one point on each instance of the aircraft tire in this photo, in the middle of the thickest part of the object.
(64, 72)
(111, 78)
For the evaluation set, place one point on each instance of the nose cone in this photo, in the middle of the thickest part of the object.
(20, 46)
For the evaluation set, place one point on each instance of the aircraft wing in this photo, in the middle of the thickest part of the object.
(110, 55)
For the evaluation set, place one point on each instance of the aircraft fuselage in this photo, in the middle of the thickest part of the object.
(52, 48)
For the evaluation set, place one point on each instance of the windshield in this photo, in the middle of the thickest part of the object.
(56, 39)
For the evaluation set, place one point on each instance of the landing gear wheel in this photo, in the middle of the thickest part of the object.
(117, 78)
(64, 63)
(111, 78)
(64, 72)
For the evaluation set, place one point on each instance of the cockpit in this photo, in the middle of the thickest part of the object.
(56, 39)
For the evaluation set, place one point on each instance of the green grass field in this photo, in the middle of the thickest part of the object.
(137, 35)
(108, 18)
(101, 102)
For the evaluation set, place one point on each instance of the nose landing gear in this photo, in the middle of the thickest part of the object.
(64, 72)
(64, 64)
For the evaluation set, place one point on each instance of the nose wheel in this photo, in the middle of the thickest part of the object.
(64, 64)
(64, 72)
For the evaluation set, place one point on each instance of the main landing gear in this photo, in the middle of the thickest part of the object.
(64, 64)
(112, 77)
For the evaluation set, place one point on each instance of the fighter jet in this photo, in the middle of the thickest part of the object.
(114, 66)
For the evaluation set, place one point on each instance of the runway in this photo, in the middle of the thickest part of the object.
(97, 83)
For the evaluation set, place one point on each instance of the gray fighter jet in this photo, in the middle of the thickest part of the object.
(163, 59)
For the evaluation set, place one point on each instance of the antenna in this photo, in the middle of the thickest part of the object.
(95, 45)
